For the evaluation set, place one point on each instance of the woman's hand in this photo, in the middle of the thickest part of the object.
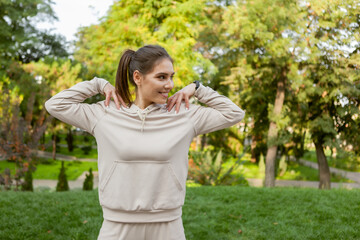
(184, 94)
(110, 92)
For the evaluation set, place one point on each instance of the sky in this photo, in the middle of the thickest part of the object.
(73, 14)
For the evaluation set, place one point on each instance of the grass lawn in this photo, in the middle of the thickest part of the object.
(51, 169)
(345, 163)
(210, 213)
(77, 152)
(294, 171)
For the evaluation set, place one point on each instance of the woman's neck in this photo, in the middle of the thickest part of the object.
(141, 103)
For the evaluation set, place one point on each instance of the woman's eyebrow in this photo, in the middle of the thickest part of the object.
(164, 73)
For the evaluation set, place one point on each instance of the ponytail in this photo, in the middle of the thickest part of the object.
(123, 76)
(143, 60)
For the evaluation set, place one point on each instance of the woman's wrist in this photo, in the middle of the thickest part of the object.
(197, 84)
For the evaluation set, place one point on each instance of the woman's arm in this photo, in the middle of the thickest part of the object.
(220, 112)
(67, 105)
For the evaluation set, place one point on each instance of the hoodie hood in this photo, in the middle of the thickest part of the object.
(142, 113)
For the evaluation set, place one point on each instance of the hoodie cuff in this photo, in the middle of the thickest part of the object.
(199, 93)
(101, 83)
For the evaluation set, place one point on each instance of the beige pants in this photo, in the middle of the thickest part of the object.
(173, 230)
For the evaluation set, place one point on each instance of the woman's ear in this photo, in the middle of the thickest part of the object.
(137, 76)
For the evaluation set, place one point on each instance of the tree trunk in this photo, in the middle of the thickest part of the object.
(324, 171)
(54, 146)
(253, 153)
(203, 142)
(70, 140)
(273, 133)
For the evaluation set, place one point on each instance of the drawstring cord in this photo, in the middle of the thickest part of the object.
(142, 117)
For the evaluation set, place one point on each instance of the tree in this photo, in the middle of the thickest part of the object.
(62, 184)
(132, 24)
(330, 91)
(52, 77)
(20, 40)
(308, 54)
(262, 32)
(15, 135)
(22, 114)
(89, 181)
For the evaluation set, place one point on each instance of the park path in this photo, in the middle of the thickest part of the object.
(63, 157)
(75, 184)
(355, 176)
(252, 182)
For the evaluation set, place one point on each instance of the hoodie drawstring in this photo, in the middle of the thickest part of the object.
(142, 117)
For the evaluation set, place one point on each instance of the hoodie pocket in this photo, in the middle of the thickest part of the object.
(141, 186)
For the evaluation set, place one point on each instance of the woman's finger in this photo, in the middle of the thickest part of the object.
(187, 104)
(107, 100)
(178, 102)
(121, 100)
(171, 102)
(116, 100)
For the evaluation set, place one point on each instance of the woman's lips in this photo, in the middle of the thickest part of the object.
(165, 95)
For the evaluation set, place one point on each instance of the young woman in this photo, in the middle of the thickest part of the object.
(143, 144)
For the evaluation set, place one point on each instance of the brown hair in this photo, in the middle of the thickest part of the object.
(143, 60)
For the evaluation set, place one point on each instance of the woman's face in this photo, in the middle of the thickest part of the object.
(155, 86)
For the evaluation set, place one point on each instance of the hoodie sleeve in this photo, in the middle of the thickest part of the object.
(220, 112)
(67, 105)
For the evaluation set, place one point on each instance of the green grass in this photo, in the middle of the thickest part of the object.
(77, 152)
(294, 171)
(345, 163)
(74, 169)
(210, 213)
(51, 169)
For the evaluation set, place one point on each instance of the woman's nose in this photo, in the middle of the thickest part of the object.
(169, 84)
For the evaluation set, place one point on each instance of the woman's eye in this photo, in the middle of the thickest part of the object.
(162, 77)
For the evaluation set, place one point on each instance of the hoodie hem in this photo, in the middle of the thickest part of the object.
(141, 217)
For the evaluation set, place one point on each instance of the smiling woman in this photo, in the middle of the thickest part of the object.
(143, 144)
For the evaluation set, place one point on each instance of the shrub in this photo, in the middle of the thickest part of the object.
(28, 182)
(86, 149)
(207, 168)
(5, 179)
(62, 184)
(89, 181)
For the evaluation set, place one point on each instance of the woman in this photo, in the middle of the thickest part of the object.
(143, 144)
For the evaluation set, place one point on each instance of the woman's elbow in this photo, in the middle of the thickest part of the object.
(239, 115)
(50, 106)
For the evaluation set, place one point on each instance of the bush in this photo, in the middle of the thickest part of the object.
(86, 149)
(62, 184)
(89, 181)
(5, 179)
(207, 168)
(28, 182)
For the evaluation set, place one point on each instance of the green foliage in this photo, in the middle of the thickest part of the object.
(49, 168)
(89, 181)
(132, 24)
(207, 168)
(282, 166)
(20, 40)
(28, 182)
(86, 149)
(62, 184)
(262, 166)
(6, 179)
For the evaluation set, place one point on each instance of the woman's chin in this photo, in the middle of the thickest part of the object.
(161, 101)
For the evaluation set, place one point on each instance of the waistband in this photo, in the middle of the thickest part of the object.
(141, 217)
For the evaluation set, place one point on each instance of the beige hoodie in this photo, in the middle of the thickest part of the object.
(142, 154)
